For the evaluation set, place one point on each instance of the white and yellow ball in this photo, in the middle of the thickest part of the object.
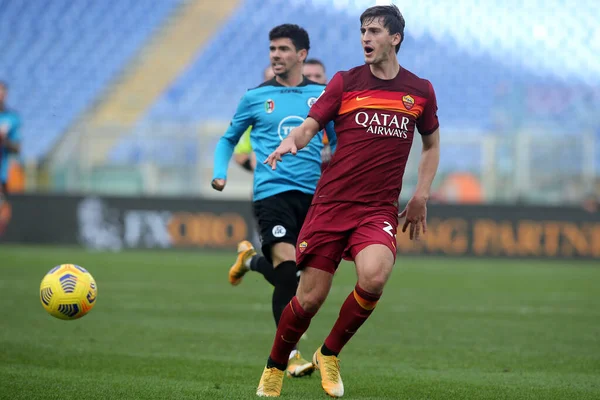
(68, 291)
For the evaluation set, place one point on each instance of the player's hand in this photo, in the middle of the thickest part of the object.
(218, 184)
(287, 146)
(416, 217)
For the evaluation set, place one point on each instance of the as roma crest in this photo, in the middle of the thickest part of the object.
(302, 246)
(408, 101)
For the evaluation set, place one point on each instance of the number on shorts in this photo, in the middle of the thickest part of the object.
(388, 228)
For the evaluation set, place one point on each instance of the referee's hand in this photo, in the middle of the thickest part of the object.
(218, 184)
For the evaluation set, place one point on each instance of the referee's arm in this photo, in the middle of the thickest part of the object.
(243, 154)
(240, 122)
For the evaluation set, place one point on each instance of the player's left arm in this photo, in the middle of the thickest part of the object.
(296, 140)
(428, 165)
(416, 209)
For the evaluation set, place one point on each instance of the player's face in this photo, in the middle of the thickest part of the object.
(315, 73)
(378, 44)
(269, 74)
(284, 57)
(2, 94)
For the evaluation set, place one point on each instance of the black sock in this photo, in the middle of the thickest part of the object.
(286, 284)
(273, 364)
(327, 352)
(262, 265)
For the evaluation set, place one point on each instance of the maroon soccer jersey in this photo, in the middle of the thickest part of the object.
(375, 122)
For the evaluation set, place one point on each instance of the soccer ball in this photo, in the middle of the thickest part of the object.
(68, 291)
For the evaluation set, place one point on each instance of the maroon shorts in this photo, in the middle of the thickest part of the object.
(333, 231)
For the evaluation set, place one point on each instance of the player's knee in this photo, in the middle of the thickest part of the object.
(282, 252)
(374, 266)
(373, 283)
(313, 288)
(311, 300)
(373, 276)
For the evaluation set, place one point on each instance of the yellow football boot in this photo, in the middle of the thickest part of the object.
(329, 367)
(270, 383)
(239, 268)
(298, 366)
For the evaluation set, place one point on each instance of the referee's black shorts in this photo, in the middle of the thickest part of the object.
(280, 218)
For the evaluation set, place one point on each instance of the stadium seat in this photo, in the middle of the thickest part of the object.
(497, 71)
(481, 74)
(62, 54)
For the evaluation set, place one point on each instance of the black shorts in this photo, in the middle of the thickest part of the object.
(280, 218)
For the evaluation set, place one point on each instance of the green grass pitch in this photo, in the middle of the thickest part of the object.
(167, 325)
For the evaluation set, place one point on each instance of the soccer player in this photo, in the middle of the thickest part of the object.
(280, 198)
(243, 154)
(314, 70)
(10, 140)
(354, 214)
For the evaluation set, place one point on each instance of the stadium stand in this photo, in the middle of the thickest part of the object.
(62, 54)
(497, 71)
(466, 67)
(479, 78)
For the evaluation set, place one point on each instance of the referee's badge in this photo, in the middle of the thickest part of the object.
(278, 231)
(269, 106)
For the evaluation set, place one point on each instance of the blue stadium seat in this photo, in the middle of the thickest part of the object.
(62, 54)
(474, 66)
(464, 67)
(494, 71)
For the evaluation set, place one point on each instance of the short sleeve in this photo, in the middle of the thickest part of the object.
(428, 120)
(328, 103)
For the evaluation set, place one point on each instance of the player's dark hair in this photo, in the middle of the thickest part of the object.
(295, 33)
(315, 61)
(393, 20)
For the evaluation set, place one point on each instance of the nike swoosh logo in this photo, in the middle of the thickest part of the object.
(362, 98)
(287, 341)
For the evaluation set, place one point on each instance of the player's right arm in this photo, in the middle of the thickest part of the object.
(322, 112)
(241, 121)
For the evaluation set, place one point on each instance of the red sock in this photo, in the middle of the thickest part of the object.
(293, 323)
(354, 312)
